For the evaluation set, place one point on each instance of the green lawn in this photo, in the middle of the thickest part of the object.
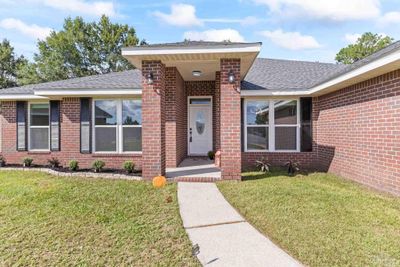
(45, 220)
(320, 219)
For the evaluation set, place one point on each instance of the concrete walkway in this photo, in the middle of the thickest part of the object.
(223, 236)
(195, 167)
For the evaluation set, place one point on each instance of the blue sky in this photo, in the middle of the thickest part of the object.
(311, 30)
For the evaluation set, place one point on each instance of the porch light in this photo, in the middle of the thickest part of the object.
(196, 73)
(231, 77)
(150, 78)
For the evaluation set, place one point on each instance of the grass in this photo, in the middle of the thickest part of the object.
(52, 221)
(320, 219)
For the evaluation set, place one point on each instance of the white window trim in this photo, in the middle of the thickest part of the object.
(271, 125)
(37, 127)
(118, 127)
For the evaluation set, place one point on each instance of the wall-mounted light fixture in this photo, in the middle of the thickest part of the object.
(231, 77)
(150, 78)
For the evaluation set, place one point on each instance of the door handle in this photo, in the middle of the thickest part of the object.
(190, 135)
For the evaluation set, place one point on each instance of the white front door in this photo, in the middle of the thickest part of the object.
(200, 126)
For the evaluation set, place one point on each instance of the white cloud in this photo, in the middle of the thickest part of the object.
(389, 18)
(96, 8)
(250, 20)
(31, 30)
(337, 10)
(181, 15)
(214, 35)
(291, 40)
(352, 38)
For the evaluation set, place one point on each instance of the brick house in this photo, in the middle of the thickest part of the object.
(185, 99)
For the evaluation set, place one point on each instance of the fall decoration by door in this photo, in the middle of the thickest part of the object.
(159, 181)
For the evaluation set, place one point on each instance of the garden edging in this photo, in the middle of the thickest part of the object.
(76, 174)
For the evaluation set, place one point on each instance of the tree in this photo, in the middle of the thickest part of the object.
(9, 64)
(366, 45)
(81, 49)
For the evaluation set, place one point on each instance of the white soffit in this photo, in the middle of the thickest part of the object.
(195, 58)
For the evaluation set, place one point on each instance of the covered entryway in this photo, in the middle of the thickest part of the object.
(200, 135)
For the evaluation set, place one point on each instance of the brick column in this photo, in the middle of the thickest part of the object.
(230, 120)
(153, 113)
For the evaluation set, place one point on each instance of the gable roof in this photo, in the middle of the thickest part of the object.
(287, 75)
(265, 75)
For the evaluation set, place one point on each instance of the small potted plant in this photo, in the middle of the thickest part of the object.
(211, 155)
(98, 165)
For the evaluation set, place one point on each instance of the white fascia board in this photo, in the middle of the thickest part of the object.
(200, 50)
(348, 76)
(21, 97)
(391, 58)
(78, 92)
(273, 93)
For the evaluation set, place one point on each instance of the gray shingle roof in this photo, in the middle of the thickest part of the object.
(130, 79)
(288, 75)
(269, 74)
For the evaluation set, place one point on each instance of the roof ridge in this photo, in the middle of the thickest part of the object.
(295, 60)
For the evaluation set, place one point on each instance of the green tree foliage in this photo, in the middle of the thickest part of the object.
(9, 64)
(366, 45)
(80, 49)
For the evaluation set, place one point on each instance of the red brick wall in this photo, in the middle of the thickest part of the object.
(176, 112)
(153, 113)
(359, 132)
(70, 135)
(230, 120)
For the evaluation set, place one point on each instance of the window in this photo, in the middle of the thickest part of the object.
(271, 125)
(118, 125)
(39, 126)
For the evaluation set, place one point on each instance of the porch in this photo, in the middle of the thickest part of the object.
(195, 169)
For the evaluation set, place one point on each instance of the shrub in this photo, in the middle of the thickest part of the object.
(292, 167)
(54, 162)
(2, 161)
(73, 165)
(211, 155)
(262, 165)
(98, 165)
(129, 166)
(27, 162)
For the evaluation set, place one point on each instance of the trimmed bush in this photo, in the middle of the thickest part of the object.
(27, 162)
(73, 165)
(2, 161)
(129, 166)
(98, 165)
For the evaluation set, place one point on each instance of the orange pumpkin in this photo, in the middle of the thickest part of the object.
(159, 181)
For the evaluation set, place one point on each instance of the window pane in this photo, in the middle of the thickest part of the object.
(286, 112)
(106, 112)
(40, 114)
(132, 139)
(257, 112)
(257, 138)
(106, 139)
(39, 138)
(132, 112)
(285, 138)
